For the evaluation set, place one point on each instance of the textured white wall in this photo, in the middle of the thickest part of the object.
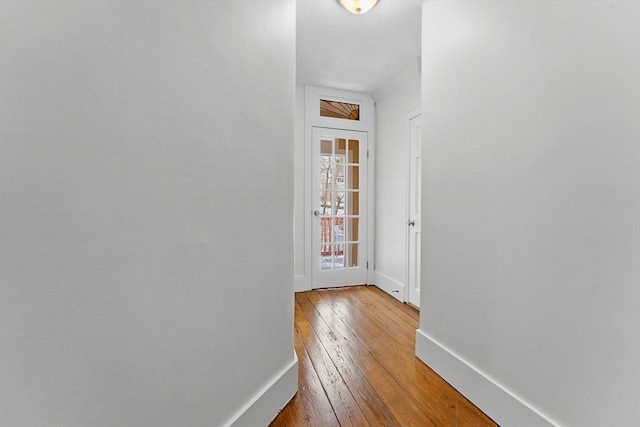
(531, 193)
(395, 99)
(147, 199)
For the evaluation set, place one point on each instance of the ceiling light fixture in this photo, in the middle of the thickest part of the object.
(358, 6)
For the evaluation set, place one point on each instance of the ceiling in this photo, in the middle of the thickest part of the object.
(341, 50)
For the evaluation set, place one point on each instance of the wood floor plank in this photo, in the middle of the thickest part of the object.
(368, 400)
(357, 366)
(401, 366)
(405, 308)
(423, 384)
(419, 383)
(471, 416)
(403, 408)
(402, 326)
(293, 414)
(344, 404)
(389, 308)
(317, 407)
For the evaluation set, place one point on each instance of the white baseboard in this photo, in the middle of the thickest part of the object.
(501, 405)
(389, 285)
(269, 401)
(300, 283)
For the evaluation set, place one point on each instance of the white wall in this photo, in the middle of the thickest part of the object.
(395, 99)
(531, 193)
(147, 199)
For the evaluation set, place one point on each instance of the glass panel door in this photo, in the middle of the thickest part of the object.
(338, 197)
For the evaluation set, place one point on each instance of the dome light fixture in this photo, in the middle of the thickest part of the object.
(358, 7)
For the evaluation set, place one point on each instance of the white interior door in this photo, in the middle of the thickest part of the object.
(414, 222)
(339, 208)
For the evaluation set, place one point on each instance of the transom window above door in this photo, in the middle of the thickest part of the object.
(339, 110)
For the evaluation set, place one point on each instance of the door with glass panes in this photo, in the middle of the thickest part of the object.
(339, 203)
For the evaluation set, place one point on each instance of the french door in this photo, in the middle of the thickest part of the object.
(339, 207)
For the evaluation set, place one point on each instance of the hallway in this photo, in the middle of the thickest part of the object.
(357, 366)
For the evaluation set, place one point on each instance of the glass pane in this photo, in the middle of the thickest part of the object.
(338, 230)
(353, 203)
(325, 147)
(341, 147)
(326, 257)
(326, 173)
(354, 151)
(352, 255)
(326, 207)
(338, 182)
(352, 229)
(339, 202)
(338, 257)
(325, 230)
(354, 177)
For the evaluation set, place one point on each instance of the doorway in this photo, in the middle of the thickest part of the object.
(339, 203)
(414, 220)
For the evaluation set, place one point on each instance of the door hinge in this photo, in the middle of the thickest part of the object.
(367, 265)
(367, 154)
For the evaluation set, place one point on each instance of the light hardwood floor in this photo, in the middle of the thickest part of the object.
(357, 366)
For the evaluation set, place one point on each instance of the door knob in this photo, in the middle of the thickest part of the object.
(316, 212)
(411, 223)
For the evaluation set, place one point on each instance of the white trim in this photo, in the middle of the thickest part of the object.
(312, 97)
(300, 283)
(270, 400)
(308, 189)
(407, 137)
(500, 404)
(371, 196)
(389, 285)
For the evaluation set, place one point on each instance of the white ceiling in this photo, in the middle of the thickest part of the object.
(341, 50)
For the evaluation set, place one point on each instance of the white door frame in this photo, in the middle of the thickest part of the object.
(410, 116)
(313, 95)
